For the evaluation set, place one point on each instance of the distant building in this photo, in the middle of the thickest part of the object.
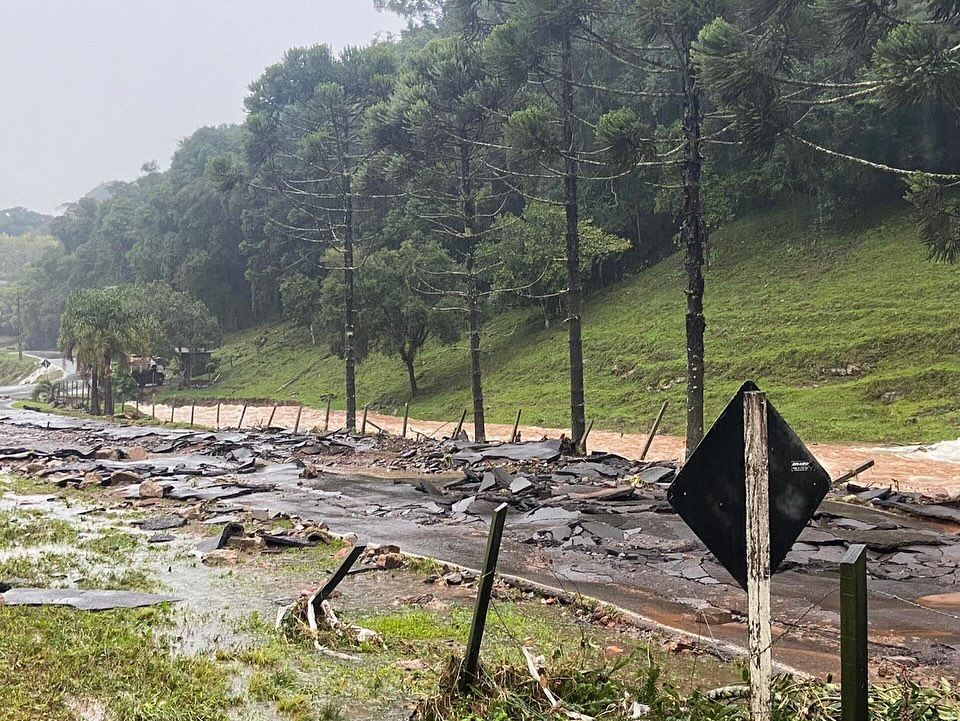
(193, 362)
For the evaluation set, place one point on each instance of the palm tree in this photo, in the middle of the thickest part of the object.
(101, 327)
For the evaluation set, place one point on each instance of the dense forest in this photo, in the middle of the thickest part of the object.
(520, 153)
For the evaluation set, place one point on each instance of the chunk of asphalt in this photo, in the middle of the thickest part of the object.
(83, 600)
(217, 542)
(163, 523)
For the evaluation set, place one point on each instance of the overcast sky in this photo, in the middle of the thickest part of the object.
(92, 89)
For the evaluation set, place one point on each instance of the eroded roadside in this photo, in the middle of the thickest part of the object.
(214, 653)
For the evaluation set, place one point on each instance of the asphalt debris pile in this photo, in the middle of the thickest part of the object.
(532, 475)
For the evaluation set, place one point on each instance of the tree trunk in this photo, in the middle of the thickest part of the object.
(108, 390)
(411, 373)
(94, 392)
(473, 328)
(693, 235)
(349, 309)
(570, 200)
(473, 294)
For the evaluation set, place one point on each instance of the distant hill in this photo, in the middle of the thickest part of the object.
(20, 221)
(852, 332)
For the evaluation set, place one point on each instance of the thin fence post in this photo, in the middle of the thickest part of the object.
(463, 417)
(173, 406)
(193, 408)
(218, 415)
(296, 425)
(326, 418)
(242, 414)
(471, 663)
(406, 417)
(516, 426)
(584, 437)
(653, 430)
(153, 410)
(363, 424)
(853, 635)
(756, 462)
(272, 413)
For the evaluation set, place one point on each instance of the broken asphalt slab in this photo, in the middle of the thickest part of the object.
(83, 600)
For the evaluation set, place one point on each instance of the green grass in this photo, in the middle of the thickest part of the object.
(786, 306)
(12, 369)
(53, 658)
(60, 664)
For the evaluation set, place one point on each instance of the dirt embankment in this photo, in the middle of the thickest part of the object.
(907, 469)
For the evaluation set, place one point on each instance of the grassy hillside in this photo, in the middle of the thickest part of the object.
(853, 334)
(12, 369)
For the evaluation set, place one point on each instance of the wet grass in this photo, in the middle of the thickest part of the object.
(303, 684)
(58, 664)
(852, 332)
(53, 658)
(21, 529)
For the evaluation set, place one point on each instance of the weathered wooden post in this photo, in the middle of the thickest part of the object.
(218, 415)
(653, 430)
(853, 635)
(296, 425)
(153, 410)
(326, 418)
(363, 424)
(193, 408)
(463, 417)
(758, 551)
(471, 663)
(243, 412)
(583, 439)
(516, 426)
(406, 416)
(272, 412)
(173, 406)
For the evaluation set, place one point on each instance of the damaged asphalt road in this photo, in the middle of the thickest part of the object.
(598, 526)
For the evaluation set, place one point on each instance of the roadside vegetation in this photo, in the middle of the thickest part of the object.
(852, 332)
(12, 369)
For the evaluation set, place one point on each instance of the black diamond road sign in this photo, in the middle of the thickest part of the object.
(709, 492)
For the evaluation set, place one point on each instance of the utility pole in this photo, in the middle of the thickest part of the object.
(19, 329)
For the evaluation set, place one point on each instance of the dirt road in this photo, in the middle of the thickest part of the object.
(905, 468)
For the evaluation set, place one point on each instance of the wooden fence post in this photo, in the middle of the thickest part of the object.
(363, 424)
(218, 415)
(173, 406)
(471, 663)
(296, 425)
(853, 635)
(653, 430)
(242, 414)
(516, 426)
(272, 412)
(584, 437)
(153, 410)
(406, 416)
(758, 551)
(193, 408)
(463, 417)
(326, 418)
